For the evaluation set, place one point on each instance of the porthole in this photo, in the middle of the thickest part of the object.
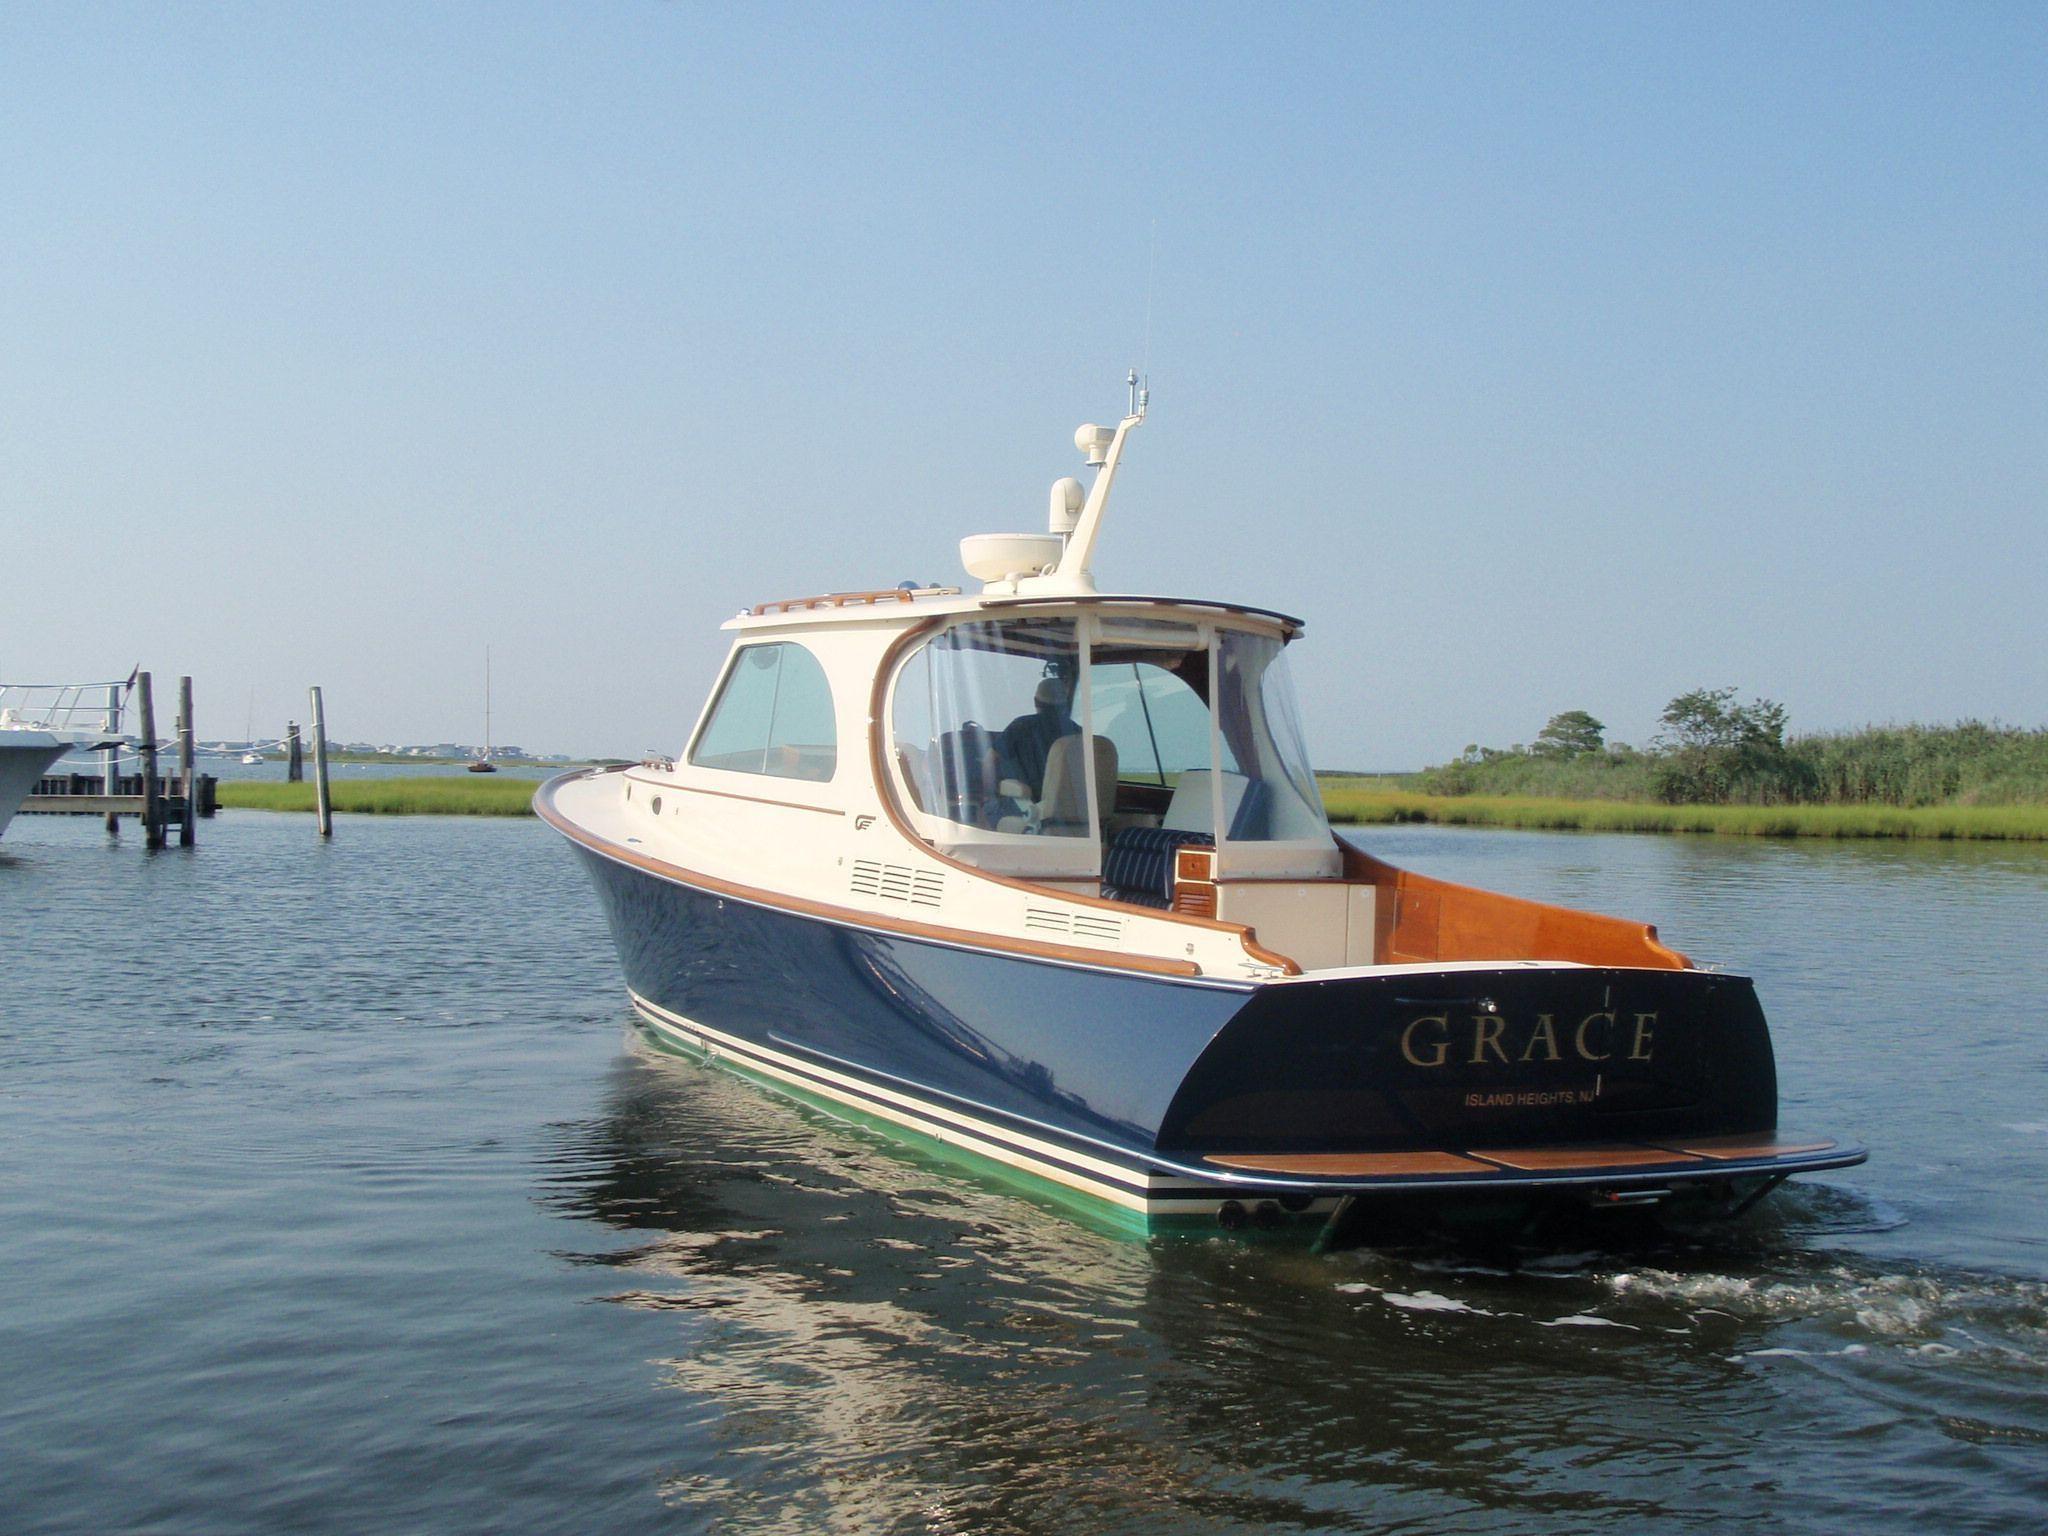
(655, 805)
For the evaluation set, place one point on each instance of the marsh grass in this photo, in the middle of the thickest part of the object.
(1360, 801)
(1969, 763)
(466, 795)
(1349, 799)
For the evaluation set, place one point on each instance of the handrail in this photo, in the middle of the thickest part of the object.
(112, 682)
(832, 600)
(57, 706)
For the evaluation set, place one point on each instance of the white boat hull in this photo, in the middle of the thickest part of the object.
(22, 763)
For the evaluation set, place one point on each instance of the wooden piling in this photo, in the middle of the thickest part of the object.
(110, 759)
(295, 756)
(187, 784)
(321, 804)
(152, 804)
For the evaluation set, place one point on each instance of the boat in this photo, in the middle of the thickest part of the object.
(1038, 873)
(252, 757)
(26, 754)
(484, 764)
(37, 727)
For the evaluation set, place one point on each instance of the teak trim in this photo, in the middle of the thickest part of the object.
(1421, 919)
(1194, 881)
(885, 791)
(543, 805)
(831, 600)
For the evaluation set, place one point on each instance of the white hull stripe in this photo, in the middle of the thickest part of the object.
(1131, 1187)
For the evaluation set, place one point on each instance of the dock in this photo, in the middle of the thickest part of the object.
(158, 800)
(86, 794)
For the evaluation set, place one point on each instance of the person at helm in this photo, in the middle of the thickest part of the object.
(1026, 741)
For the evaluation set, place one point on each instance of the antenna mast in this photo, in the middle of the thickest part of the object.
(1104, 449)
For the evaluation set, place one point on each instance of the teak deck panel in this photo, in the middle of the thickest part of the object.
(1563, 1159)
(1721, 1148)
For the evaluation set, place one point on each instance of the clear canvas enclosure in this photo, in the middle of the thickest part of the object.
(1259, 724)
(1011, 734)
(986, 733)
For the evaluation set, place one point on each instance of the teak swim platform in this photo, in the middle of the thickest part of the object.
(1042, 873)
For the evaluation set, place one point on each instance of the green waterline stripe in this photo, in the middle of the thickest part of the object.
(1103, 1215)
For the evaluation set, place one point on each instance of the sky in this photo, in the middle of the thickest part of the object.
(1540, 357)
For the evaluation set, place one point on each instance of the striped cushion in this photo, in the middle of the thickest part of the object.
(1137, 866)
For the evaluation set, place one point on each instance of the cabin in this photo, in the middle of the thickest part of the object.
(1118, 778)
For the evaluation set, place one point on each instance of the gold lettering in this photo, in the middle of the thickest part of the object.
(1439, 1047)
(1645, 1040)
(1546, 1035)
(1579, 1039)
(1486, 1030)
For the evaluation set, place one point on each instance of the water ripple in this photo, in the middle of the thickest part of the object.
(381, 1185)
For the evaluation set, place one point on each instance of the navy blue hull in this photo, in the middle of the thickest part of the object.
(1095, 1054)
(1173, 1096)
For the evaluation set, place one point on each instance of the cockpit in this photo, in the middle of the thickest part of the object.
(1098, 745)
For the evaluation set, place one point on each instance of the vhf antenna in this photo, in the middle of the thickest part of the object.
(1138, 395)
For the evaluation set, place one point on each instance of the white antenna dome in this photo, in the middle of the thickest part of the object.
(1067, 500)
(1002, 556)
(1094, 441)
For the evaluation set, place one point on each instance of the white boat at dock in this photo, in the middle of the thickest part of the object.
(40, 723)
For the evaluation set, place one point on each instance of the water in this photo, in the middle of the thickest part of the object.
(337, 1194)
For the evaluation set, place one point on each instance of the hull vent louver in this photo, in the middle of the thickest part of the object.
(898, 882)
(1080, 925)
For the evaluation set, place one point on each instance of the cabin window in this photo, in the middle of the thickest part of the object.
(986, 730)
(773, 715)
(1266, 768)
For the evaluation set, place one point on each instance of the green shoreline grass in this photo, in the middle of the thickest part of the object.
(463, 795)
(1364, 803)
(1353, 802)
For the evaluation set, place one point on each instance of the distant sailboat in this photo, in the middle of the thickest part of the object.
(484, 763)
(251, 757)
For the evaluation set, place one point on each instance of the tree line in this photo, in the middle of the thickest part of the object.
(1714, 748)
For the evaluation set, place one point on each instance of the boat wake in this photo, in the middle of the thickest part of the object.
(1772, 1288)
